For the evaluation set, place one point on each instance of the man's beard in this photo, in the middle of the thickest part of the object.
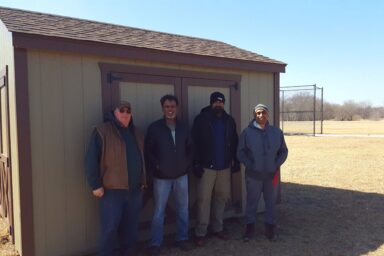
(218, 111)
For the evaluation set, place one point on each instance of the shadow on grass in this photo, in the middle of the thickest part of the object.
(312, 221)
(327, 221)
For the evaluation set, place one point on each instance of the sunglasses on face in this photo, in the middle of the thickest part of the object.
(125, 110)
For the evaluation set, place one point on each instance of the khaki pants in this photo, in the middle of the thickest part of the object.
(215, 185)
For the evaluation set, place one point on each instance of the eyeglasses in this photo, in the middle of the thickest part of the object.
(125, 110)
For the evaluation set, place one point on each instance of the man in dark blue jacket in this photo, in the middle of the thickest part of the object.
(168, 152)
(215, 138)
(262, 150)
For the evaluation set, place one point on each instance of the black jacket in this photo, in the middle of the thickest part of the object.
(164, 159)
(202, 134)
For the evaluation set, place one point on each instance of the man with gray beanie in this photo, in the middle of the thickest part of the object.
(262, 150)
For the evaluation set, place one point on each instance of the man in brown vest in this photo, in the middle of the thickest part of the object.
(115, 171)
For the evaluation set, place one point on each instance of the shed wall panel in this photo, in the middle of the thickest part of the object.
(73, 120)
(52, 124)
(65, 95)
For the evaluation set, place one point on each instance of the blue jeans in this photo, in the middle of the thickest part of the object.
(161, 190)
(120, 214)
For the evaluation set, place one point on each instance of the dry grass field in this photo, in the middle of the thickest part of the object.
(366, 127)
(332, 201)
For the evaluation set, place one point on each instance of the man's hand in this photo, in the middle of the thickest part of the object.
(98, 192)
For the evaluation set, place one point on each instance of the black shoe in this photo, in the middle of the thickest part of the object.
(249, 232)
(153, 250)
(184, 245)
(270, 232)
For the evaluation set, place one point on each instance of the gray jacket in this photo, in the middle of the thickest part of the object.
(262, 151)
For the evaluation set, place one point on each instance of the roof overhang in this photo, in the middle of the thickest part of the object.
(33, 41)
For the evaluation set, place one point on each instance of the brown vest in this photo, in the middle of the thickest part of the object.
(113, 162)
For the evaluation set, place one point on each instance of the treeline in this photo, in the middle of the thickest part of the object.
(299, 107)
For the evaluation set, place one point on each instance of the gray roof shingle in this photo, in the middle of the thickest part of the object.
(28, 22)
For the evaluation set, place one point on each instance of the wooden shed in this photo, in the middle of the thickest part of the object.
(57, 77)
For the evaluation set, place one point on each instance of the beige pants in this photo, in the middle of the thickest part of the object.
(215, 185)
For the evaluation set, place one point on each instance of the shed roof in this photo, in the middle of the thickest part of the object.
(35, 23)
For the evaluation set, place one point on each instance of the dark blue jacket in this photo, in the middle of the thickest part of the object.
(164, 158)
(202, 134)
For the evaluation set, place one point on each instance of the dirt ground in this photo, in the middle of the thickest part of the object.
(332, 203)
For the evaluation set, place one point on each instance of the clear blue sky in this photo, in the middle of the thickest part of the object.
(336, 44)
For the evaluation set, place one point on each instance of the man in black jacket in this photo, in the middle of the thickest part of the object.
(215, 137)
(168, 153)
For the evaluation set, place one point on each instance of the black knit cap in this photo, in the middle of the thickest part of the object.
(217, 96)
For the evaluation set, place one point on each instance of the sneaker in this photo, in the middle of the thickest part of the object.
(249, 232)
(184, 245)
(153, 250)
(270, 232)
(222, 235)
(199, 241)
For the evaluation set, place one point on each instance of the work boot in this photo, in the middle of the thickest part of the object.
(249, 232)
(270, 232)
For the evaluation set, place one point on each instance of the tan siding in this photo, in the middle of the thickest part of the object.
(73, 120)
(53, 142)
(65, 214)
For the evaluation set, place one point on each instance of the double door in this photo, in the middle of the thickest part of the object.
(143, 88)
